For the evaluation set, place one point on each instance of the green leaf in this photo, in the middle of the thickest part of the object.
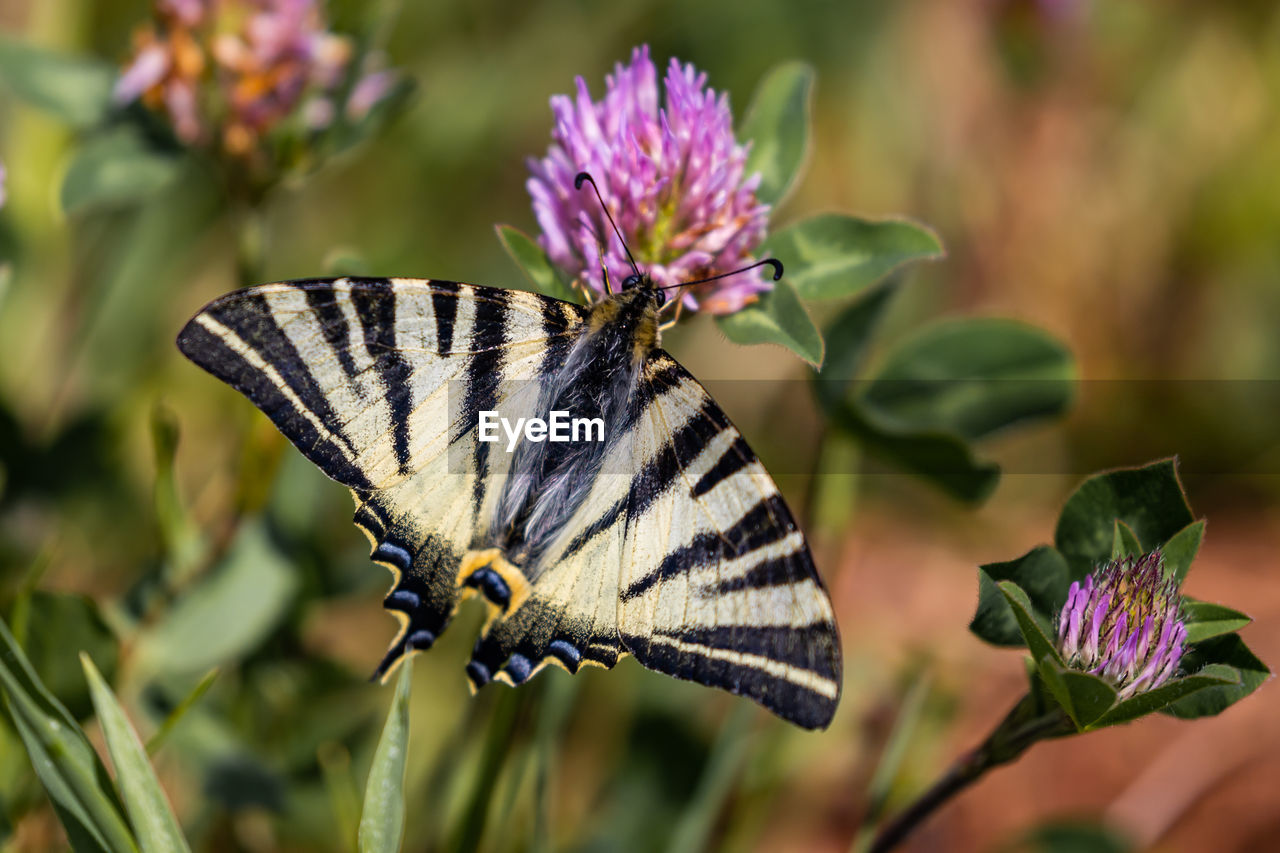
(1148, 499)
(943, 459)
(382, 819)
(1181, 549)
(973, 377)
(114, 169)
(535, 264)
(227, 614)
(1058, 836)
(1035, 631)
(847, 340)
(149, 811)
(834, 255)
(777, 126)
(1213, 675)
(1229, 651)
(1124, 542)
(68, 766)
(75, 89)
(60, 625)
(1041, 573)
(1084, 697)
(1205, 620)
(778, 317)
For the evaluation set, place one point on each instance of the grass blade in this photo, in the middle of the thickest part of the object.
(693, 831)
(170, 722)
(895, 749)
(149, 811)
(78, 784)
(382, 821)
(497, 745)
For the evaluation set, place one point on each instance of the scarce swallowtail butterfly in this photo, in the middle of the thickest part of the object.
(667, 540)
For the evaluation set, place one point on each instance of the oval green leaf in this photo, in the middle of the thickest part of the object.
(778, 317)
(1227, 651)
(942, 459)
(1205, 620)
(534, 263)
(1213, 675)
(1084, 697)
(1036, 632)
(1149, 499)
(114, 169)
(777, 126)
(973, 377)
(1124, 542)
(382, 818)
(75, 89)
(1041, 573)
(1181, 549)
(847, 339)
(228, 613)
(149, 812)
(834, 255)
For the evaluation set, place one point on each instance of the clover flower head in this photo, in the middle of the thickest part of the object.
(1123, 624)
(671, 175)
(238, 69)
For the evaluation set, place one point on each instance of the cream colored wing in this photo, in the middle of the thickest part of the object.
(374, 380)
(717, 583)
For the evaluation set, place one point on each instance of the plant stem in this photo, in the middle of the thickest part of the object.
(1023, 726)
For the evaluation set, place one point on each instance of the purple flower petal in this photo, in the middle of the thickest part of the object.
(1121, 608)
(671, 175)
(147, 69)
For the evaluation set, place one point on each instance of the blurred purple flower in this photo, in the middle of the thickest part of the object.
(240, 69)
(368, 92)
(1123, 624)
(671, 176)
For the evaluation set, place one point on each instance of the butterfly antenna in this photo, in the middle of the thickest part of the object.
(773, 262)
(577, 184)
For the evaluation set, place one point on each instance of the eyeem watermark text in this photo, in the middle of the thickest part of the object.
(558, 427)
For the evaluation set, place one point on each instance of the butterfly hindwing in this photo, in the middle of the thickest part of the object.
(717, 583)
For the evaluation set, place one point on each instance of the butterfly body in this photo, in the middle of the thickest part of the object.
(664, 539)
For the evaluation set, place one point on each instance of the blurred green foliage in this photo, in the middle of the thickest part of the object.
(1106, 171)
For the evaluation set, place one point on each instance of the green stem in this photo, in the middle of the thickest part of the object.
(251, 245)
(1022, 727)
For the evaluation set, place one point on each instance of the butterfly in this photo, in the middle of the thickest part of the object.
(663, 537)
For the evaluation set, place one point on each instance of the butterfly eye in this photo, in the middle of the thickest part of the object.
(631, 281)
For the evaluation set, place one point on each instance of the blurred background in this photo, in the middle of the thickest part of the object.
(1109, 171)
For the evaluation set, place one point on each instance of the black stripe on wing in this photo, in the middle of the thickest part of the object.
(810, 705)
(376, 309)
(759, 527)
(483, 379)
(324, 447)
